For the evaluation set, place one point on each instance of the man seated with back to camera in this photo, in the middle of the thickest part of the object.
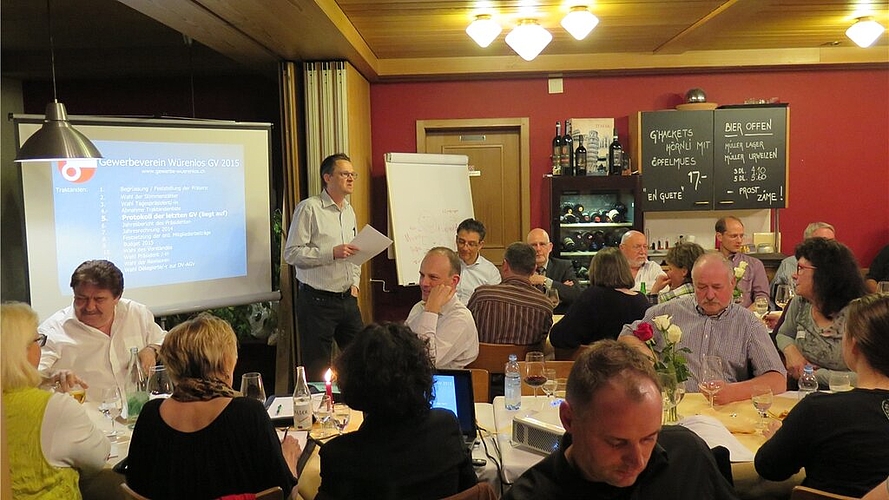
(614, 445)
(748, 354)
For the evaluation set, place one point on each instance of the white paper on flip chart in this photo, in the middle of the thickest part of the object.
(715, 434)
(370, 242)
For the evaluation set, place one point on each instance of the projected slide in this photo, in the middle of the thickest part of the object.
(163, 212)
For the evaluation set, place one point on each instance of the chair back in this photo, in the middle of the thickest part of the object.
(481, 491)
(562, 368)
(806, 493)
(129, 493)
(481, 385)
(493, 357)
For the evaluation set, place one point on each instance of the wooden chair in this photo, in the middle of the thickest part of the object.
(806, 493)
(481, 491)
(562, 368)
(481, 385)
(129, 493)
(493, 357)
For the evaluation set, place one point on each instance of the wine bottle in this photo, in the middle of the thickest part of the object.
(557, 150)
(580, 157)
(615, 156)
(567, 155)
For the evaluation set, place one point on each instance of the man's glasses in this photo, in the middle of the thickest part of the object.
(348, 175)
(41, 339)
(471, 244)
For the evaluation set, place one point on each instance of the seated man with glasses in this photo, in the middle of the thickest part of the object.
(475, 270)
(755, 282)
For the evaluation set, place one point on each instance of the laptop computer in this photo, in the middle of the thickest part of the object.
(452, 390)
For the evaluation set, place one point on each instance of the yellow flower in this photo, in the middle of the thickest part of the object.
(662, 322)
(673, 334)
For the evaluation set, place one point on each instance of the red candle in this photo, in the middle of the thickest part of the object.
(329, 390)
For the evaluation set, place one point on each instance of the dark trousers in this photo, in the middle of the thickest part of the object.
(323, 317)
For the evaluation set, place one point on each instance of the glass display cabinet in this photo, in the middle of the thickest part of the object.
(590, 213)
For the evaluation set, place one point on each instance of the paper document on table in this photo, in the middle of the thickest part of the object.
(282, 406)
(716, 434)
(370, 242)
(301, 436)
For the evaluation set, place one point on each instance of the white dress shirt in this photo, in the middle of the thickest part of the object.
(648, 273)
(102, 361)
(481, 272)
(318, 226)
(452, 331)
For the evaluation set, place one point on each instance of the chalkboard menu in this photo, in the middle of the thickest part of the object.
(677, 160)
(722, 159)
(750, 157)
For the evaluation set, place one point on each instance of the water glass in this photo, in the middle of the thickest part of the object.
(159, 383)
(762, 401)
(840, 381)
(341, 416)
(761, 306)
(553, 296)
(110, 408)
(549, 387)
(251, 386)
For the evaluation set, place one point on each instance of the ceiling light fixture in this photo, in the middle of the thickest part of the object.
(483, 30)
(528, 39)
(579, 22)
(865, 31)
(56, 139)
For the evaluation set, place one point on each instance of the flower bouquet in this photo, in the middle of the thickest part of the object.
(670, 362)
(739, 275)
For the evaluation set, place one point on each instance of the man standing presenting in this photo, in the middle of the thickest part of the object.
(552, 272)
(93, 336)
(317, 246)
(614, 445)
(712, 324)
(440, 318)
(475, 270)
(513, 311)
(634, 246)
(730, 237)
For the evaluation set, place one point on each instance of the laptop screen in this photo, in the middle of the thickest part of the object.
(452, 390)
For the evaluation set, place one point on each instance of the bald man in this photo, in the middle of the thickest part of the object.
(552, 272)
(634, 246)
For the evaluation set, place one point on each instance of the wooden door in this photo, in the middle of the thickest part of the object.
(500, 192)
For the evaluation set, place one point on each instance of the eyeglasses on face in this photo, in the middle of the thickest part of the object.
(348, 175)
(471, 244)
(801, 267)
(41, 339)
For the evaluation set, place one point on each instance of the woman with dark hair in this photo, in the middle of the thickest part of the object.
(404, 449)
(603, 308)
(842, 439)
(677, 282)
(827, 279)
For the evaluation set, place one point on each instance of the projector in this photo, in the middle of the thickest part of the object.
(538, 431)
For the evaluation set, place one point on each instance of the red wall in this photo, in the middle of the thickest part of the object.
(839, 133)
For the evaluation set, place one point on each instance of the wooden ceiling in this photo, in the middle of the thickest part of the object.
(410, 39)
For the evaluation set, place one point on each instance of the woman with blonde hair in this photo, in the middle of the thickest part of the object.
(206, 440)
(50, 437)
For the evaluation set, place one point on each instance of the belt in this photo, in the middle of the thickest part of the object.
(340, 295)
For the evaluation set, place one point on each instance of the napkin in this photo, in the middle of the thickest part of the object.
(714, 433)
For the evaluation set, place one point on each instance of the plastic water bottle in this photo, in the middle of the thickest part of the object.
(807, 382)
(512, 384)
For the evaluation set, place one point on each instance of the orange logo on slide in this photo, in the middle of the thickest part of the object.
(77, 171)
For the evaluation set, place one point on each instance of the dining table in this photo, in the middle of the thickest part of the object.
(738, 422)
(106, 484)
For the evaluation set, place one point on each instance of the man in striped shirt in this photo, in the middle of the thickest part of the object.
(514, 311)
(712, 324)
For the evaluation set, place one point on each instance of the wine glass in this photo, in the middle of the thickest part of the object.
(110, 408)
(159, 383)
(251, 386)
(712, 379)
(341, 416)
(783, 294)
(762, 401)
(549, 387)
(534, 375)
(553, 296)
(761, 306)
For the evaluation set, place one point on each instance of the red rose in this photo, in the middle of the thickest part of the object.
(644, 332)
